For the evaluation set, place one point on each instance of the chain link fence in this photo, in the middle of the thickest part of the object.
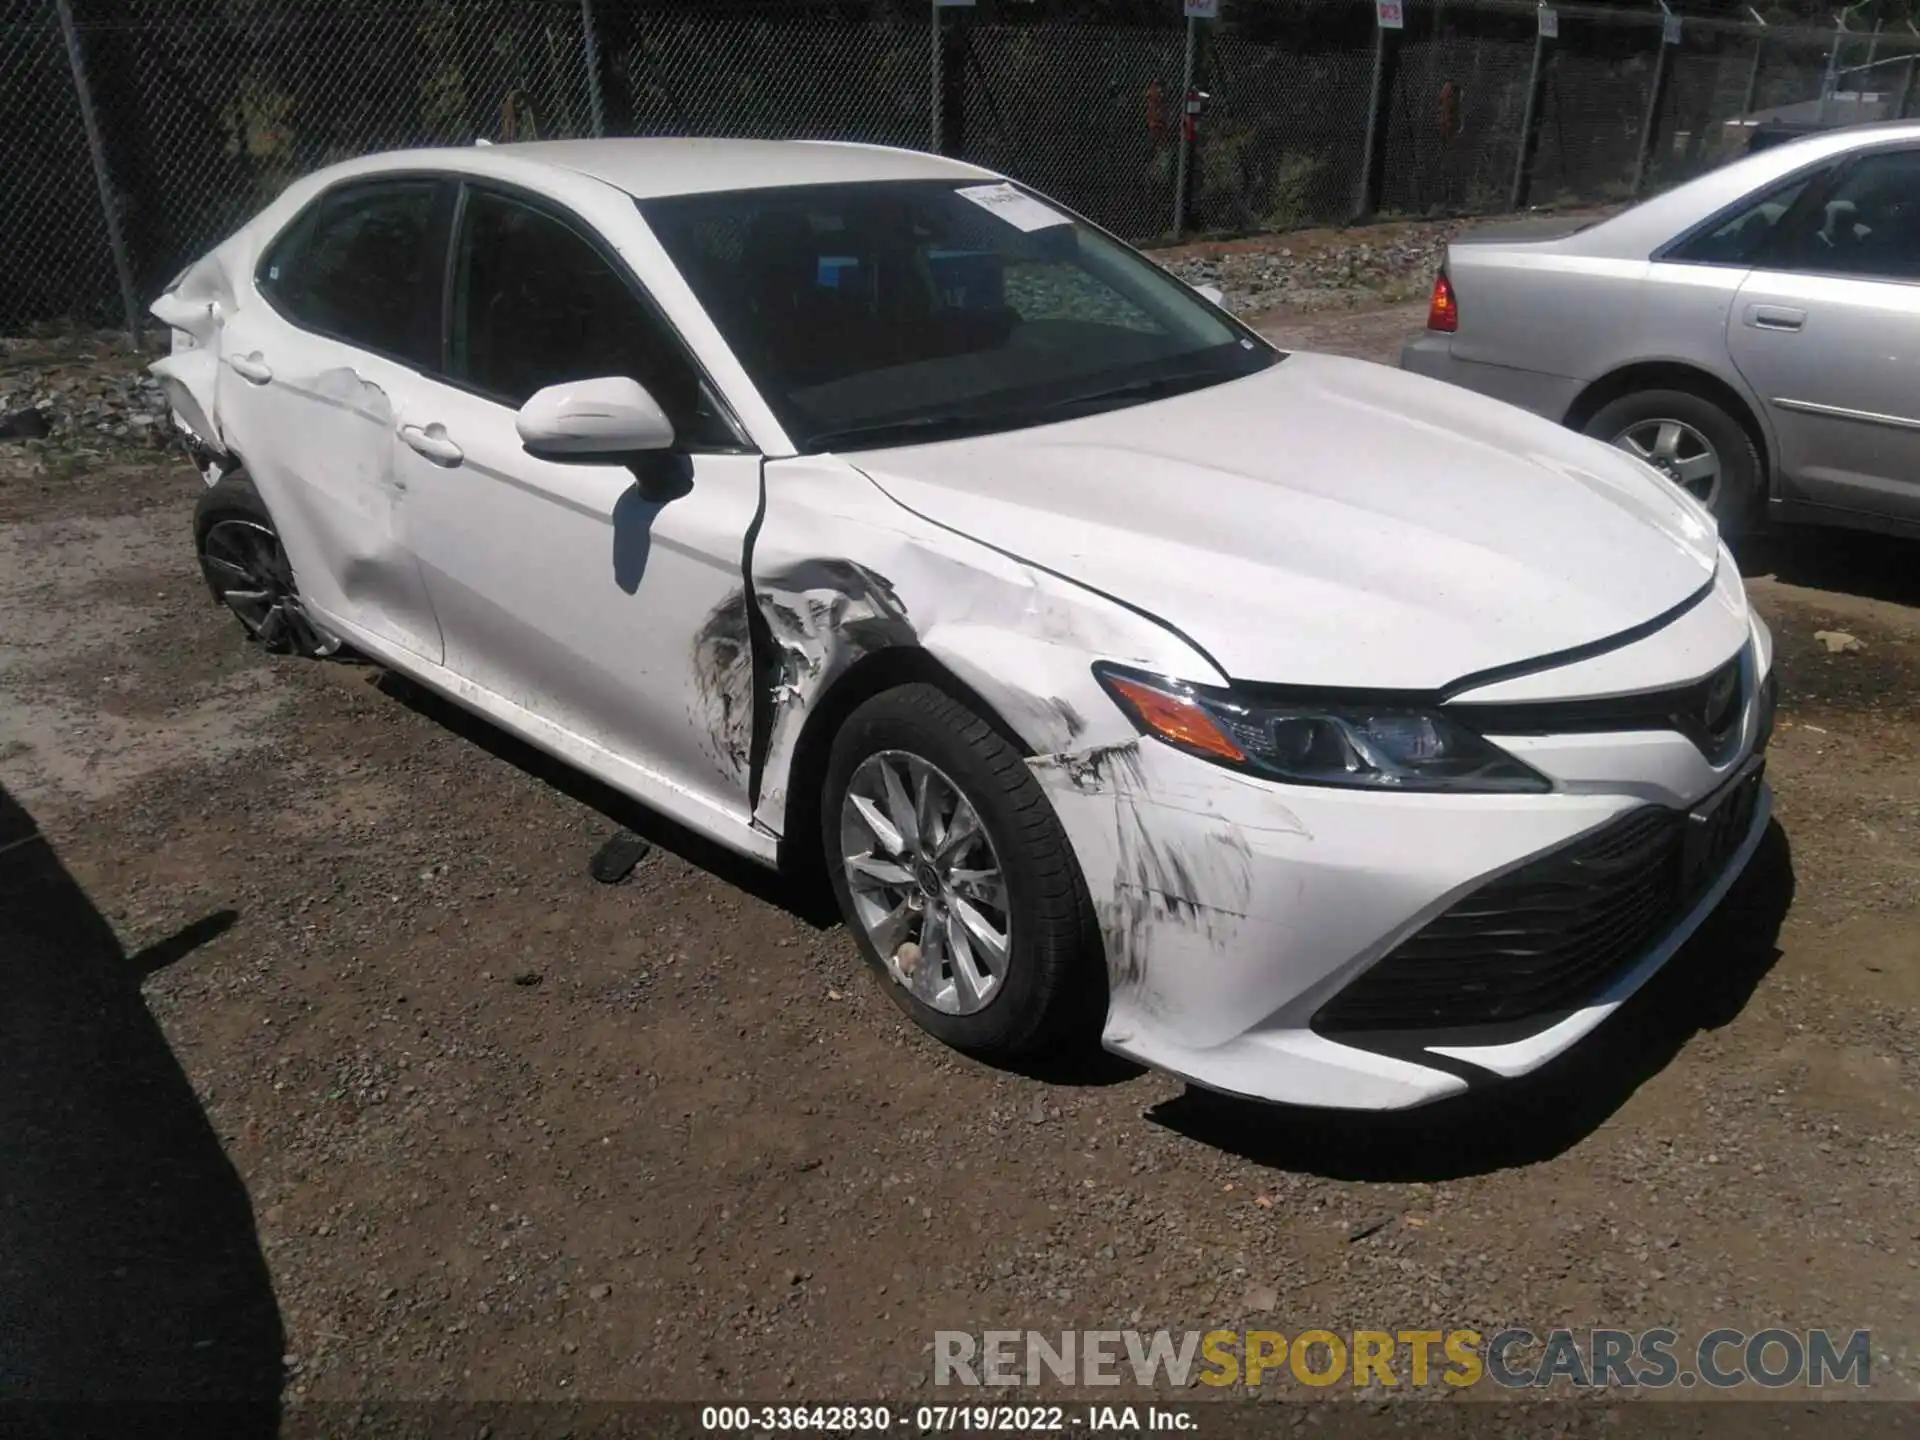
(1085, 113)
(792, 71)
(1593, 102)
(1302, 111)
(52, 227)
(1279, 143)
(218, 113)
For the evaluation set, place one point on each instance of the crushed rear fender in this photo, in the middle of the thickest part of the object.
(194, 310)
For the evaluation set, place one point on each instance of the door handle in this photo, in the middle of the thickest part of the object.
(433, 443)
(251, 368)
(1775, 317)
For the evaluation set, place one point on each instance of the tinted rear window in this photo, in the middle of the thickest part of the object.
(360, 267)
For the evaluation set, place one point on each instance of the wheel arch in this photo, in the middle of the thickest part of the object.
(227, 494)
(1673, 375)
(872, 674)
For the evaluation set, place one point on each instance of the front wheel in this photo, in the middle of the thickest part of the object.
(1694, 443)
(955, 877)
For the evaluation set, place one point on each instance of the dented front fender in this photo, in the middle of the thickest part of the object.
(839, 571)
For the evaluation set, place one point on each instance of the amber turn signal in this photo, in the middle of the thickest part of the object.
(1175, 717)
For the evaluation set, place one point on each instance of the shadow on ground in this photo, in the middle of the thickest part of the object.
(1539, 1116)
(1850, 562)
(813, 905)
(129, 1264)
(1082, 1065)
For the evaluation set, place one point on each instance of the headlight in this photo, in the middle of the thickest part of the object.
(1360, 746)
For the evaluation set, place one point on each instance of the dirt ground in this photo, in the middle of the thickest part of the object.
(330, 1073)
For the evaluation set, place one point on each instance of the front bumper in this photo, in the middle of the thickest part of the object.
(1235, 911)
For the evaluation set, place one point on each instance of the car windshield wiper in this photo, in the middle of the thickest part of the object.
(1154, 387)
(945, 424)
(951, 424)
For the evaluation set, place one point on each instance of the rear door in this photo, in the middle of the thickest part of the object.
(1826, 330)
(314, 370)
(562, 589)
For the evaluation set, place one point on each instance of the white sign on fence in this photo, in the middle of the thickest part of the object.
(1391, 14)
(1203, 9)
(1670, 31)
(1549, 23)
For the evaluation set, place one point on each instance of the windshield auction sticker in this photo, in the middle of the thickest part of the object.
(1021, 211)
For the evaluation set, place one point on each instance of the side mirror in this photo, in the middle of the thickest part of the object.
(607, 418)
(1212, 294)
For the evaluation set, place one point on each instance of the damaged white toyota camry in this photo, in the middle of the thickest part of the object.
(1349, 737)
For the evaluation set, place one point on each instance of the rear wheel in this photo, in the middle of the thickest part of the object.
(1694, 443)
(954, 876)
(246, 568)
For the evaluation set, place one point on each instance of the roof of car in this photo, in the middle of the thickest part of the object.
(654, 167)
(1634, 232)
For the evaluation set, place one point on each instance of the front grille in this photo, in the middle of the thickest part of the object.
(1707, 711)
(1542, 939)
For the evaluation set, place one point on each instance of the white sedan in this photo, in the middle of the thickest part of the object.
(1340, 737)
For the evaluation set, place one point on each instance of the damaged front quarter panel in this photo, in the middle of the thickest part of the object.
(723, 683)
(1025, 641)
(821, 618)
(840, 572)
(758, 671)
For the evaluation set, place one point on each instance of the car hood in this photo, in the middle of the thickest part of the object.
(1330, 522)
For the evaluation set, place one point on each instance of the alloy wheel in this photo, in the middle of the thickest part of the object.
(925, 881)
(1679, 452)
(248, 569)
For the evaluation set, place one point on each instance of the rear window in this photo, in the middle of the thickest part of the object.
(359, 266)
(1741, 237)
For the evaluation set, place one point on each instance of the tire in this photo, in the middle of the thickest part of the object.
(246, 568)
(1050, 975)
(1735, 499)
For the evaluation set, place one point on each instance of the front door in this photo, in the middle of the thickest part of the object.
(1827, 332)
(561, 587)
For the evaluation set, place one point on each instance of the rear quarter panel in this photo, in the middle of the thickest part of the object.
(1533, 308)
(1585, 317)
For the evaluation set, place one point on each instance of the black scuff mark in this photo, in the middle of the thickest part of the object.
(1151, 885)
(1068, 717)
(723, 671)
(1154, 887)
(1095, 768)
(818, 616)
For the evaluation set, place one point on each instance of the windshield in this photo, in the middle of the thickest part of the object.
(901, 311)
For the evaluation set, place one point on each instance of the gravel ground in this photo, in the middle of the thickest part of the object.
(1319, 269)
(330, 1073)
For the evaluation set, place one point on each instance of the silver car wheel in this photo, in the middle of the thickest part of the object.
(1679, 452)
(925, 882)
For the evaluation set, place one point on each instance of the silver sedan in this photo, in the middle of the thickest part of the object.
(1754, 334)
